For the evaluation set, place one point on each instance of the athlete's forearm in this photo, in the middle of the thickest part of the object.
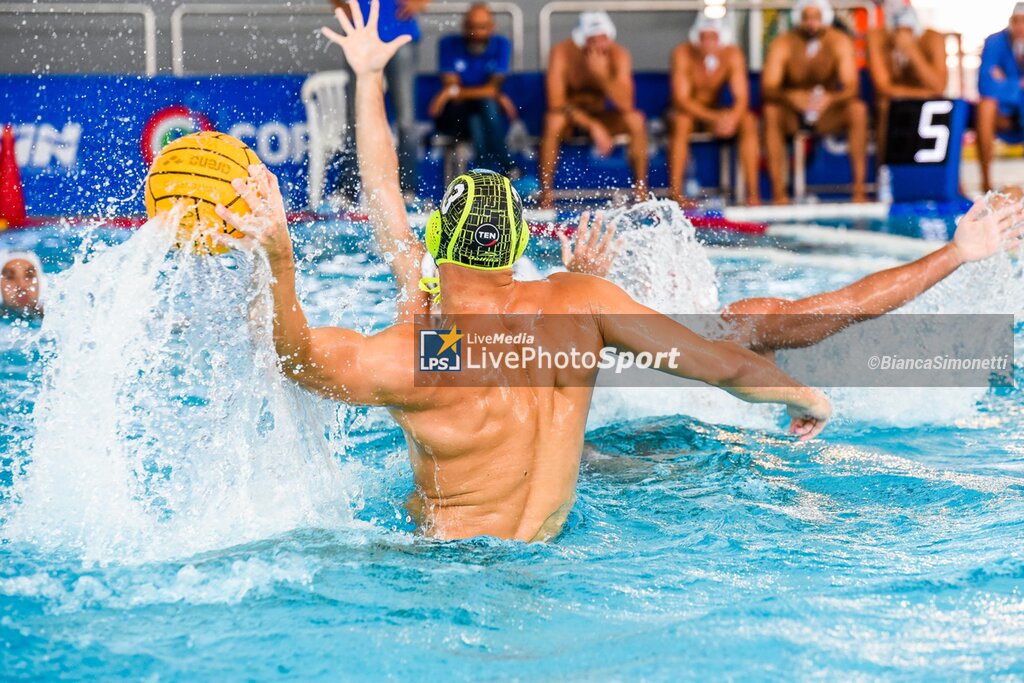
(619, 92)
(773, 324)
(699, 111)
(291, 331)
(927, 73)
(753, 379)
(889, 289)
(906, 92)
(378, 169)
(487, 91)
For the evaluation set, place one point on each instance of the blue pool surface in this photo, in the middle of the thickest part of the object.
(699, 548)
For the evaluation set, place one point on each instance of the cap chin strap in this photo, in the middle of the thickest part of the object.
(431, 285)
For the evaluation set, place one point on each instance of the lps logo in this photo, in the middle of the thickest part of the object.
(40, 145)
(440, 350)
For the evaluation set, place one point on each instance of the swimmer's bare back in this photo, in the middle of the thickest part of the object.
(499, 459)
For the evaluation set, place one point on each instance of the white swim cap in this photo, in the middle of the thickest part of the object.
(593, 24)
(906, 17)
(1018, 9)
(8, 256)
(828, 15)
(706, 23)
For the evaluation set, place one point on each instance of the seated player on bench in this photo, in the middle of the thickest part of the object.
(701, 70)
(591, 91)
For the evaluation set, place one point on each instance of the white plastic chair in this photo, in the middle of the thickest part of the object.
(326, 122)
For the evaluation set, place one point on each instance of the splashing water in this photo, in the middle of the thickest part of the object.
(662, 265)
(164, 426)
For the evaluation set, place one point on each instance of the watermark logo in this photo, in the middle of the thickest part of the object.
(440, 350)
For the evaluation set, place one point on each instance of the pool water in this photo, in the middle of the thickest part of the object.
(705, 542)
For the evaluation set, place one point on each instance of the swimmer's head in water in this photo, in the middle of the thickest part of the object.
(21, 278)
(479, 224)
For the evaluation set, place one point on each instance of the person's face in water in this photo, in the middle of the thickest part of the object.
(478, 26)
(1017, 27)
(19, 283)
(708, 42)
(811, 24)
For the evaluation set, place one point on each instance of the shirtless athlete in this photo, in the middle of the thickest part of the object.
(590, 90)
(701, 70)
(907, 62)
(810, 80)
(487, 460)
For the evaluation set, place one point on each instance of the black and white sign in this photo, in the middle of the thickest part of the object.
(919, 132)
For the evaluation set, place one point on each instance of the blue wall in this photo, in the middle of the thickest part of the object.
(80, 139)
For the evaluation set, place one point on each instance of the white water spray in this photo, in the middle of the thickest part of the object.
(164, 427)
(664, 266)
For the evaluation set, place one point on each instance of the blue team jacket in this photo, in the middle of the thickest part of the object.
(998, 52)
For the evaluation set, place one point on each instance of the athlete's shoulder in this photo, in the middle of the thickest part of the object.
(581, 289)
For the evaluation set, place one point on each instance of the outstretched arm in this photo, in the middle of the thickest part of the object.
(378, 164)
(767, 324)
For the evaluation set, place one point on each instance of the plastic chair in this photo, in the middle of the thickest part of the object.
(326, 122)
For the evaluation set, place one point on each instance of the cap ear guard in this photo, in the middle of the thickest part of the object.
(433, 235)
(524, 239)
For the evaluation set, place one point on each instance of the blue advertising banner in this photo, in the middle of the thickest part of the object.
(84, 143)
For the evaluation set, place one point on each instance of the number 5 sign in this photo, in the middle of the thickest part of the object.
(927, 129)
(923, 147)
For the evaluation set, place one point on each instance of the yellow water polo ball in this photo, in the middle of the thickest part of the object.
(198, 169)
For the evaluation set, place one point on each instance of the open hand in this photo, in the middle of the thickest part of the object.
(365, 52)
(984, 232)
(266, 223)
(595, 249)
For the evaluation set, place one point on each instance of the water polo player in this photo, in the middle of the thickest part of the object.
(490, 459)
(21, 283)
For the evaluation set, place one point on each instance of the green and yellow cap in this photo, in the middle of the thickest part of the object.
(480, 223)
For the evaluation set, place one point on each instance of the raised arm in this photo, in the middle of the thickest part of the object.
(378, 164)
(768, 324)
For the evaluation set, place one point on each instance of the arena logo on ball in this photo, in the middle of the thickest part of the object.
(168, 124)
(440, 350)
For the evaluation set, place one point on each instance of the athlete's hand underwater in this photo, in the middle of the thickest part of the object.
(365, 52)
(266, 224)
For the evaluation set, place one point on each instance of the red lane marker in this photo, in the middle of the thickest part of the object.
(714, 223)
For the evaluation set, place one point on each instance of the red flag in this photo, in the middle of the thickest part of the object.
(12, 197)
